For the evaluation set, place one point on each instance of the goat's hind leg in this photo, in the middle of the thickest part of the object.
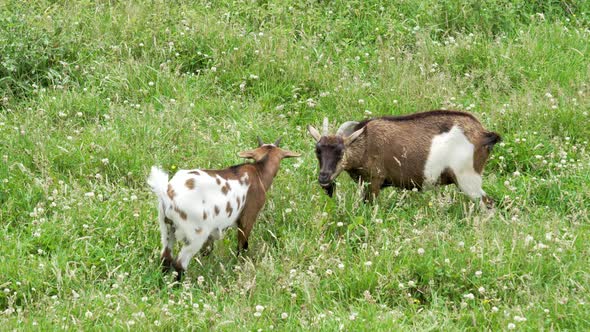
(194, 244)
(168, 240)
(207, 248)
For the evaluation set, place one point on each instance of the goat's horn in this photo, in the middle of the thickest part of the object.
(278, 141)
(260, 143)
(325, 127)
(346, 128)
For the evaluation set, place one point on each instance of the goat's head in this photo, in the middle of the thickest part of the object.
(331, 151)
(268, 150)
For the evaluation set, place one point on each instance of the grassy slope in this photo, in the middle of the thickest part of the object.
(94, 94)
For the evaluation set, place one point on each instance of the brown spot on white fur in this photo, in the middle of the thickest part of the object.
(216, 210)
(228, 209)
(204, 215)
(199, 230)
(218, 181)
(170, 192)
(238, 201)
(190, 184)
(181, 213)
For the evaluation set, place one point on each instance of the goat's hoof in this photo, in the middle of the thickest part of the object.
(179, 270)
(166, 264)
(206, 251)
(487, 202)
(179, 274)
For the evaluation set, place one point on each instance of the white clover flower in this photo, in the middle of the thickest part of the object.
(511, 326)
(469, 296)
(481, 290)
(259, 308)
(284, 315)
(420, 251)
(368, 263)
(478, 273)
(495, 309)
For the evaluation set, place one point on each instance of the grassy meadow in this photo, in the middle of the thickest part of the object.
(93, 93)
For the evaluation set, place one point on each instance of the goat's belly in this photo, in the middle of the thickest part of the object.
(406, 183)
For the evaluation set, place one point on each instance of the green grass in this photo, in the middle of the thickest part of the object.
(92, 94)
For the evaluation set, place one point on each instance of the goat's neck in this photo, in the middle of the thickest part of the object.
(266, 170)
(355, 154)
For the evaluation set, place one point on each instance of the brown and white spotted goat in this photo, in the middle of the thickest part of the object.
(412, 151)
(195, 206)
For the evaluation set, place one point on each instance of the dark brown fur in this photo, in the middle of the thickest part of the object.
(392, 150)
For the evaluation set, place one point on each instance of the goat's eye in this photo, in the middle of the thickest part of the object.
(318, 151)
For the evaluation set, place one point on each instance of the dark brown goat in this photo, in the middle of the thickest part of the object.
(195, 206)
(412, 151)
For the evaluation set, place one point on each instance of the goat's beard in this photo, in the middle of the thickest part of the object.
(329, 188)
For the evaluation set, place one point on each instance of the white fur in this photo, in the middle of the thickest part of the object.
(453, 150)
(203, 198)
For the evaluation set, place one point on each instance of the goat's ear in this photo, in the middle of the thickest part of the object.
(314, 133)
(348, 140)
(247, 154)
(290, 154)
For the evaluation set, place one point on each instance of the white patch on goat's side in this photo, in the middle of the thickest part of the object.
(454, 151)
(204, 201)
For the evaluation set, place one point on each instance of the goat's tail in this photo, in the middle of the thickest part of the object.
(158, 180)
(490, 139)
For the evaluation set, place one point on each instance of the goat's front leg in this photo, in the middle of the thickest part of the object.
(374, 189)
(245, 225)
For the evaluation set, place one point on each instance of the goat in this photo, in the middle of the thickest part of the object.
(195, 206)
(418, 150)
